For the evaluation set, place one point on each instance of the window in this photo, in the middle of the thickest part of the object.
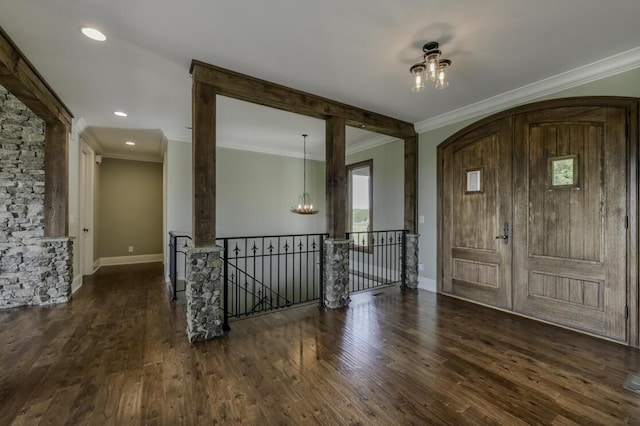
(563, 171)
(360, 203)
(474, 181)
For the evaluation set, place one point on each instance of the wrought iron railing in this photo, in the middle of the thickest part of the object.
(376, 259)
(264, 273)
(178, 241)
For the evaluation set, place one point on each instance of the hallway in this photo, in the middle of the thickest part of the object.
(118, 354)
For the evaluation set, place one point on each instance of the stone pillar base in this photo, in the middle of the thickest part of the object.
(411, 261)
(336, 273)
(54, 271)
(203, 292)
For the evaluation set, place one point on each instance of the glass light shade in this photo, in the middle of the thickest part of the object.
(441, 81)
(433, 63)
(417, 71)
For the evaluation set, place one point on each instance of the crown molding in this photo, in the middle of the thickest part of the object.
(146, 159)
(602, 68)
(364, 145)
(79, 125)
(370, 143)
(269, 151)
(177, 138)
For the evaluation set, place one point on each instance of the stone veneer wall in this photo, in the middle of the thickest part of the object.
(203, 293)
(336, 273)
(411, 261)
(33, 270)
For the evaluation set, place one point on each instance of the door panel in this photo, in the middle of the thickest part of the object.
(477, 203)
(569, 218)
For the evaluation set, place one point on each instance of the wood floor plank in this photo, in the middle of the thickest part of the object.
(118, 354)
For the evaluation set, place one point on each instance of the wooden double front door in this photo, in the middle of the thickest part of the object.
(534, 219)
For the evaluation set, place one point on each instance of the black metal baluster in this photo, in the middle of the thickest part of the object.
(237, 279)
(371, 258)
(286, 270)
(403, 260)
(264, 285)
(270, 248)
(300, 246)
(386, 257)
(172, 265)
(398, 254)
(256, 293)
(321, 278)
(225, 269)
(313, 269)
(306, 274)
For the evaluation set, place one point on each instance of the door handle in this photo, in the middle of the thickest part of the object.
(505, 236)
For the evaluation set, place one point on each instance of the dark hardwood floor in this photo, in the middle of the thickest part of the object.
(118, 354)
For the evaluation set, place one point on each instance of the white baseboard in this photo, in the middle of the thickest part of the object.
(127, 260)
(427, 284)
(76, 283)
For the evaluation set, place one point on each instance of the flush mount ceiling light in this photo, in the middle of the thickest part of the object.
(304, 206)
(130, 143)
(120, 113)
(431, 67)
(93, 34)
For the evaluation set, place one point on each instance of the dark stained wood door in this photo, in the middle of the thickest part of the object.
(569, 218)
(476, 206)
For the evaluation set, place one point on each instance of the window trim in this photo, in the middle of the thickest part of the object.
(350, 168)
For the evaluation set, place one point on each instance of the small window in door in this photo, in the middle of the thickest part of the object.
(360, 203)
(474, 180)
(563, 172)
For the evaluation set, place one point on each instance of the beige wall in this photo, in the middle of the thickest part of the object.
(625, 84)
(254, 193)
(130, 208)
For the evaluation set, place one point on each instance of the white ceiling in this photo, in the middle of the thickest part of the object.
(358, 52)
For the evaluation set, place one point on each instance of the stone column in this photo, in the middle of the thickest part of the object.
(203, 292)
(336, 273)
(411, 261)
(54, 271)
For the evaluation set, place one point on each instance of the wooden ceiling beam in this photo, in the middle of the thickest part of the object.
(251, 89)
(21, 78)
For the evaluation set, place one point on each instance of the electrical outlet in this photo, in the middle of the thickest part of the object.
(421, 218)
(130, 249)
(420, 266)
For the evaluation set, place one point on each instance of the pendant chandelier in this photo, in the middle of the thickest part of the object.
(432, 68)
(304, 205)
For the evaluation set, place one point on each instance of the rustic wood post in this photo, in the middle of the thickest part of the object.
(411, 184)
(204, 165)
(336, 176)
(411, 211)
(56, 175)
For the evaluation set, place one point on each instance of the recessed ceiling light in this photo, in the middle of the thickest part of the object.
(120, 113)
(130, 143)
(93, 34)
